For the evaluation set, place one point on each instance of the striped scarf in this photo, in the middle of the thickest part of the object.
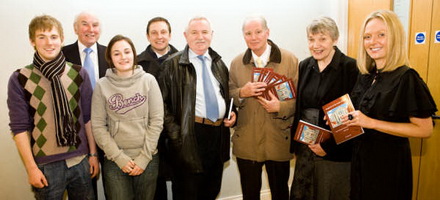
(66, 133)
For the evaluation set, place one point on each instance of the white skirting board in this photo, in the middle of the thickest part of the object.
(265, 195)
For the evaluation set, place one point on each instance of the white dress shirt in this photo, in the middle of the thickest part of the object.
(264, 57)
(93, 56)
(200, 95)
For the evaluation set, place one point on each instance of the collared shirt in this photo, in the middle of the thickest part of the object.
(93, 55)
(200, 95)
(264, 57)
(158, 55)
(313, 91)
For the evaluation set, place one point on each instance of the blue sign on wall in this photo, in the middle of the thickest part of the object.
(420, 38)
(437, 37)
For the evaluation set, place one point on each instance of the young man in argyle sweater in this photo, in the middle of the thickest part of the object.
(49, 109)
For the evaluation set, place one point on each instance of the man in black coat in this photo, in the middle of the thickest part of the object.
(158, 34)
(194, 85)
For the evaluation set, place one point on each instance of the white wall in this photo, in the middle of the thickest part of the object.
(287, 20)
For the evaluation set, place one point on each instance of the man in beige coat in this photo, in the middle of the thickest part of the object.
(262, 134)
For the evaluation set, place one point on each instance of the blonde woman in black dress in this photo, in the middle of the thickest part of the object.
(393, 103)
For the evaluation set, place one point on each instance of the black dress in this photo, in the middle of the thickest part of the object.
(381, 163)
(316, 89)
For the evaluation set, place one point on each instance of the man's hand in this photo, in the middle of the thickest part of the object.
(252, 89)
(271, 106)
(94, 166)
(230, 122)
(37, 178)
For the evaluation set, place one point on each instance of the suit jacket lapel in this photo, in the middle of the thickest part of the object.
(73, 53)
(101, 60)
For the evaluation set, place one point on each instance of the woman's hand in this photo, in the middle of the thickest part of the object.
(317, 149)
(136, 171)
(416, 127)
(357, 118)
(128, 167)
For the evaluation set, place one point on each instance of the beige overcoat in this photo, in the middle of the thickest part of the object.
(259, 135)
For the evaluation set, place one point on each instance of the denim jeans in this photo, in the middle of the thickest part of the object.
(121, 186)
(76, 180)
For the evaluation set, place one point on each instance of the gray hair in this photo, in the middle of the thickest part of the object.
(324, 25)
(82, 14)
(260, 19)
(195, 19)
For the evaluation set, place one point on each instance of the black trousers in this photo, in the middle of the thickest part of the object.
(250, 178)
(206, 184)
(161, 188)
(165, 171)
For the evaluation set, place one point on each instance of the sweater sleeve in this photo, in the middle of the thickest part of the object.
(86, 96)
(19, 117)
(155, 124)
(101, 132)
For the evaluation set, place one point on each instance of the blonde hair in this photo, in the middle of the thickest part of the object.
(396, 55)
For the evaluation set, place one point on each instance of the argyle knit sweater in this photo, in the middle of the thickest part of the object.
(31, 110)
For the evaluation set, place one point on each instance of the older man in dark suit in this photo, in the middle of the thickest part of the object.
(88, 53)
(88, 28)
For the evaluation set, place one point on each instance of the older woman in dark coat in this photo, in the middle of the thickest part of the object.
(322, 171)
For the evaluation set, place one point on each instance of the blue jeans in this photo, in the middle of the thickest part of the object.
(76, 180)
(121, 186)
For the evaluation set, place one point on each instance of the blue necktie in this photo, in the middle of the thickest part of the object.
(210, 98)
(88, 65)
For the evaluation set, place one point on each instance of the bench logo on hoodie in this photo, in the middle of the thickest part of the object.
(122, 106)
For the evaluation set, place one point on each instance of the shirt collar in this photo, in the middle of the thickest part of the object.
(81, 47)
(160, 55)
(193, 55)
(265, 56)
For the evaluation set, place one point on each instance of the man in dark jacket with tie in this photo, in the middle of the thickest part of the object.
(194, 85)
(87, 50)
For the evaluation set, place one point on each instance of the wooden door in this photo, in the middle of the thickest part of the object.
(429, 174)
(418, 56)
(358, 10)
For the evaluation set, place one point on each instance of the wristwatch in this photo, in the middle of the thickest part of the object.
(93, 154)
